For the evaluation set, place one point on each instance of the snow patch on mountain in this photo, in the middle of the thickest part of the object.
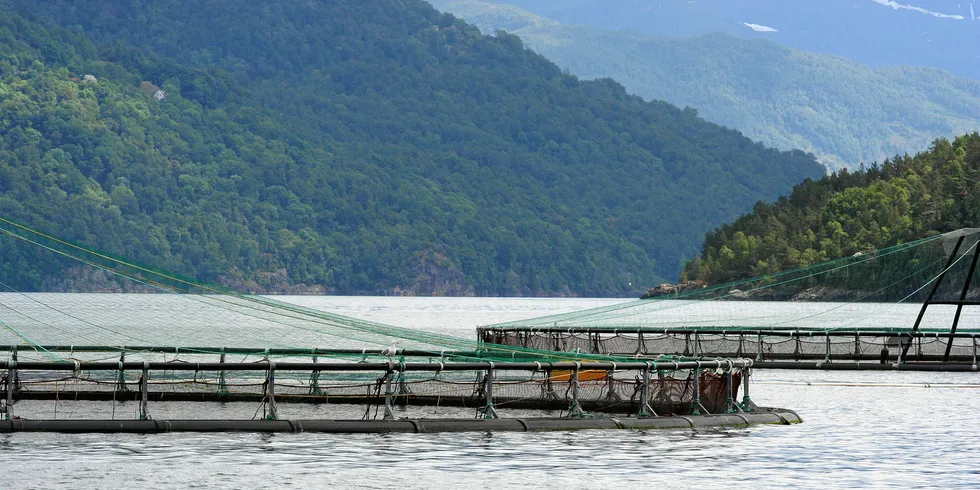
(759, 28)
(895, 5)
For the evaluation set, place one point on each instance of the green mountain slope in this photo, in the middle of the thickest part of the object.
(843, 112)
(352, 146)
(903, 199)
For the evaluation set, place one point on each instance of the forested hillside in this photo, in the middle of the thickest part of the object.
(903, 199)
(352, 147)
(843, 112)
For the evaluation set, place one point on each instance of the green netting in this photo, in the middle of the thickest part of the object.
(185, 313)
(877, 290)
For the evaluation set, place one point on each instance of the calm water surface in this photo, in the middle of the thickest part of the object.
(861, 429)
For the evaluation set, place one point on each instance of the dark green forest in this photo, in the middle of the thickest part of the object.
(349, 147)
(900, 200)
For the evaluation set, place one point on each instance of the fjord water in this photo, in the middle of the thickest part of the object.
(878, 429)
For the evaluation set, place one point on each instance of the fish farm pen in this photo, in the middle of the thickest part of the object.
(649, 394)
(69, 362)
(673, 361)
(924, 350)
(899, 308)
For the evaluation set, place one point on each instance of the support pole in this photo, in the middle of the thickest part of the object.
(489, 412)
(122, 375)
(315, 381)
(403, 390)
(959, 307)
(13, 357)
(222, 382)
(746, 400)
(932, 292)
(575, 410)
(11, 376)
(389, 407)
(974, 339)
(730, 401)
(144, 391)
(645, 410)
(270, 393)
(696, 406)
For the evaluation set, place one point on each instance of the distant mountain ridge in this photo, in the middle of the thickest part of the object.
(938, 33)
(349, 147)
(842, 111)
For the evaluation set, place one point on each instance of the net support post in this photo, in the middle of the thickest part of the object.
(122, 374)
(611, 395)
(389, 392)
(974, 338)
(270, 393)
(575, 409)
(8, 407)
(403, 390)
(696, 406)
(489, 412)
(746, 399)
(315, 389)
(16, 374)
(144, 391)
(730, 405)
(645, 410)
(548, 387)
(222, 381)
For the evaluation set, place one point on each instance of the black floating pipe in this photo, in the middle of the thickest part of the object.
(740, 331)
(866, 366)
(768, 416)
(263, 351)
(367, 366)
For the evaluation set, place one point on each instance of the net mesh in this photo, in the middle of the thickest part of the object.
(880, 290)
(186, 313)
(620, 391)
(187, 321)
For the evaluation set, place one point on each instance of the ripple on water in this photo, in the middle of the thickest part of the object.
(887, 433)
